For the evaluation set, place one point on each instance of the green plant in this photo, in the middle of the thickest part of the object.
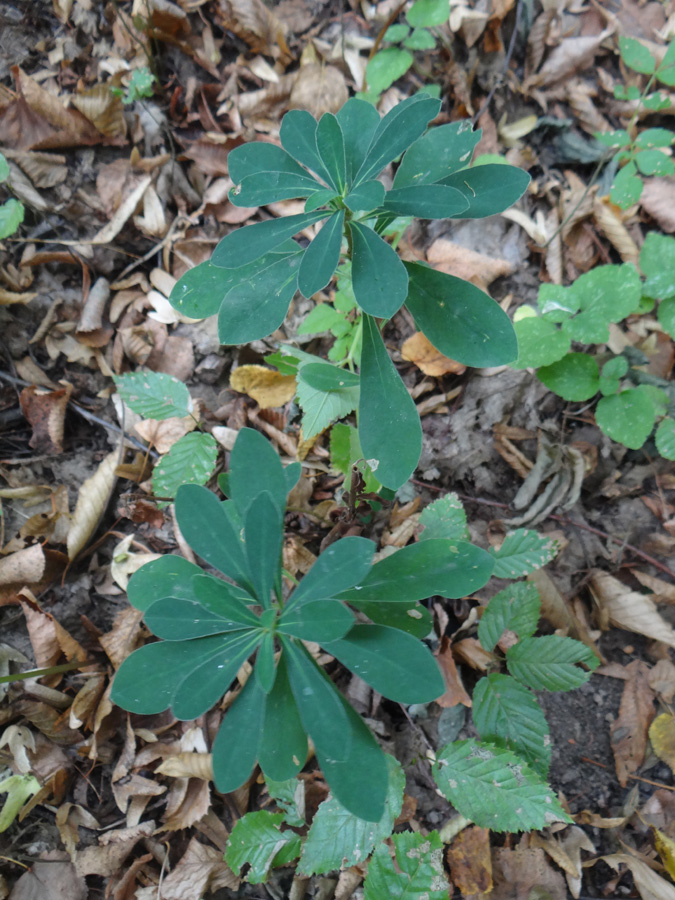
(388, 65)
(632, 401)
(192, 458)
(210, 627)
(255, 271)
(140, 87)
(11, 211)
(640, 154)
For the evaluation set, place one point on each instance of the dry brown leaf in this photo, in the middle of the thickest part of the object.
(629, 729)
(572, 55)
(124, 637)
(470, 861)
(556, 610)
(92, 500)
(104, 110)
(574, 841)
(479, 269)
(662, 679)
(86, 702)
(419, 350)
(106, 859)
(164, 433)
(51, 878)
(471, 652)
(46, 412)
(664, 591)
(455, 691)
(658, 199)
(610, 221)
(196, 871)
(23, 567)
(45, 170)
(297, 558)
(267, 387)
(258, 26)
(648, 882)
(630, 609)
(319, 89)
(662, 736)
(518, 872)
(48, 638)
(122, 214)
(9, 297)
(91, 318)
(67, 127)
(187, 765)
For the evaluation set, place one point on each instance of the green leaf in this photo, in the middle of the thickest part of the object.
(322, 256)
(317, 620)
(247, 244)
(540, 343)
(448, 568)
(459, 319)
(410, 617)
(289, 795)
(636, 56)
(255, 840)
(345, 451)
(426, 13)
(494, 788)
(19, 788)
(516, 608)
(444, 518)
(270, 187)
(396, 132)
(154, 395)
(505, 713)
(168, 576)
(439, 153)
(340, 566)
(653, 162)
(265, 671)
(396, 33)
(550, 663)
(394, 663)
(323, 317)
(261, 158)
(558, 303)
(386, 67)
(255, 467)
(147, 680)
(191, 460)
(665, 438)
(11, 216)
(298, 137)
(427, 201)
(613, 139)
(331, 149)
(488, 189)
(612, 373)
(654, 102)
(338, 839)
(417, 875)
(367, 196)
(173, 619)
(666, 70)
(263, 529)
(654, 137)
(627, 417)
(666, 315)
(223, 599)
(321, 408)
(325, 377)
(420, 39)
(4, 165)
(606, 294)
(389, 426)
(657, 261)
(319, 703)
(283, 748)
(379, 278)
(235, 748)
(140, 86)
(319, 199)
(626, 187)
(574, 377)
(206, 527)
(522, 552)
(359, 121)
(361, 780)
(209, 680)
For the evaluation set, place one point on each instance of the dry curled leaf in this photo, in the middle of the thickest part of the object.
(92, 500)
(478, 268)
(658, 199)
(46, 412)
(629, 729)
(187, 765)
(470, 861)
(199, 868)
(319, 89)
(418, 349)
(630, 609)
(267, 387)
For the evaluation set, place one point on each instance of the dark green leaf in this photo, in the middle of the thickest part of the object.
(494, 788)
(200, 291)
(341, 565)
(261, 158)
(263, 529)
(439, 153)
(612, 373)
(516, 608)
(367, 196)
(444, 518)
(322, 256)
(523, 552)
(223, 599)
(256, 839)
(666, 315)
(427, 201)
(265, 670)
(270, 187)
(657, 262)
(386, 67)
(448, 568)
(283, 748)
(389, 426)
(292, 474)
(207, 682)
(319, 703)
(418, 873)
(154, 395)
(396, 132)
(247, 244)
(235, 748)
(298, 137)
(319, 199)
(325, 377)
(255, 467)
(147, 681)
(575, 377)
(459, 319)
(550, 663)
(206, 527)
(410, 617)
(358, 120)
(489, 189)
(317, 620)
(396, 664)
(505, 711)
(331, 149)
(168, 576)
(182, 620)
(379, 278)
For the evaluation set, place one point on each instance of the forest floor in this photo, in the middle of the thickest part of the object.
(122, 198)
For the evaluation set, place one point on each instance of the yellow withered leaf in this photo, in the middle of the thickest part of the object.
(267, 387)
(666, 850)
(662, 736)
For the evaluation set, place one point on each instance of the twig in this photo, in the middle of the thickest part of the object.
(507, 60)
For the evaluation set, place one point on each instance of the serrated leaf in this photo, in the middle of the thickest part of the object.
(417, 875)
(444, 518)
(550, 663)
(505, 712)
(459, 319)
(494, 788)
(154, 395)
(235, 748)
(289, 795)
(389, 425)
(516, 608)
(386, 67)
(191, 460)
(247, 244)
(322, 408)
(322, 256)
(255, 840)
(323, 317)
(338, 839)
(488, 189)
(627, 417)
(665, 438)
(540, 343)
(379, 278)
(11, 216)
(574, 377)
(522, 552)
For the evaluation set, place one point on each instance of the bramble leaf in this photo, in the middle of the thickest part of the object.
(154, 395)
(191, 460)
(417, 875)
(255, 840)
(516, 608)
(550, 663)
(444, 518)
(522, 552)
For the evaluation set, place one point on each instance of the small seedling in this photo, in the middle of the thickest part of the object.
(11, 211)
(141, 86)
